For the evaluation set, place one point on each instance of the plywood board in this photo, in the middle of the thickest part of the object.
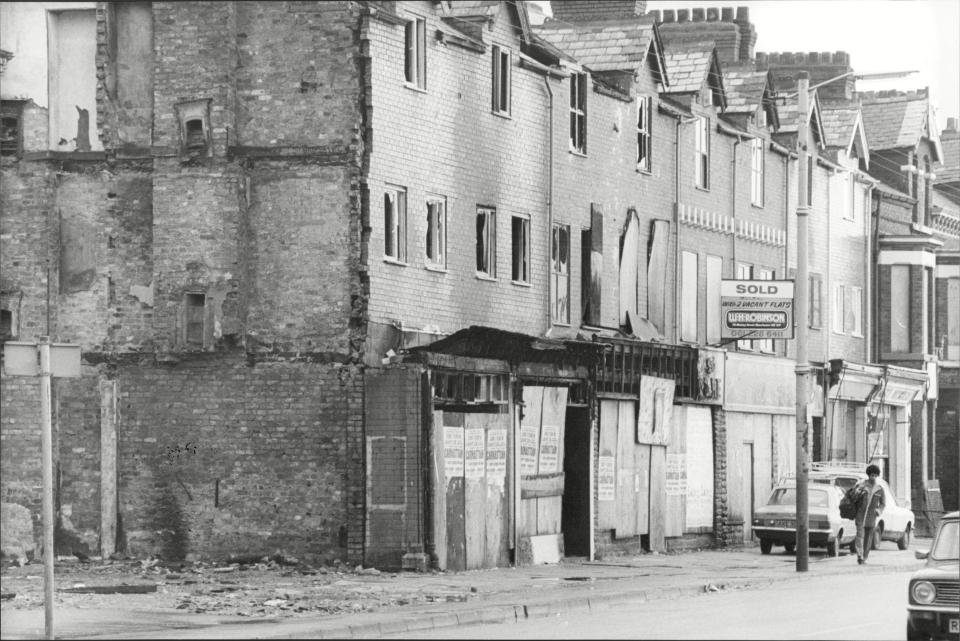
(628, 480)
(475, 490)
(658, 468)
(607, 509)
(438, 483)
(700, 466)
(643, 496)
(676, 474)
(453, 486)
(549, 512)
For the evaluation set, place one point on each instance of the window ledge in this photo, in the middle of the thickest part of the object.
(699, 188)
(574, 152)
(486, 277)
(646, 172)
(502, 114)
(520, 283)
(436, 268)
(756, 205)
(394, 261)
(414, 87)
(556, 323)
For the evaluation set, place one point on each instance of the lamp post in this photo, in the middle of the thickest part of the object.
(802, 301)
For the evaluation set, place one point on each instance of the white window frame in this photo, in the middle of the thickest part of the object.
(644, 133)
(757, 171)
(765, 345)
(578, 113)
(745, 272)
(560, 273)
(395, 224)
(702, 153)
(520, 249)
(856, 311)
(415, 53)
(486, 242)
(501, 80)
(836, 320)
(436, 238)
(689, 310)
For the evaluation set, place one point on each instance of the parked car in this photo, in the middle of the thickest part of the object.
(933, 596)
(775, 522)
(896, 522)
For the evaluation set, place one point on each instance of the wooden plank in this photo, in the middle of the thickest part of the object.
(438, 484)
(456, 525)
(549, 512)
(607, 509)
(475, 490)
(676, 471)
(643, 497)
(658, 469)
(541, 485)
(628, 481)
(495, 484)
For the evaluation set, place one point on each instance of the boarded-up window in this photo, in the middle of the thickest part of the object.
(657, 273)
(560, 272)
(591, 266)
(629, 248)
(714, 276)
(689, 312)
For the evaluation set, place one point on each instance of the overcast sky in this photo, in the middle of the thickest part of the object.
(879, 35)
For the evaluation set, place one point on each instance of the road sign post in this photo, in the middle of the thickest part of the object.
(44, 360)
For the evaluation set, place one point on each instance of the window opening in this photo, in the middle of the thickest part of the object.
(437, 233)
(644, 140)
(486, 242)
(578, 112)
(194, 317)
(195, 136)
(11, 132)
(395, 224)
(757, 170)
(501, 81)
(702, 170)
(415, 62)
(520, 232)
(560, 268)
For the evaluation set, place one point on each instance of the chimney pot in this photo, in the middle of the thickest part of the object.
(683, 15)
(743, 14)
(951, 124)
(726, 14)
(713, 14)
(698, 14)
(656, 15)
(669, 15)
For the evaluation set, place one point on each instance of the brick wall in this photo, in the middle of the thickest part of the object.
(218, 456)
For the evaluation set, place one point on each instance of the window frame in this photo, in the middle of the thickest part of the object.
(702, 153)
(578, 113)
(486, 243)
(395, 224)
(644, 134)
(856, 308)
(501, 81)
(190, 309)
(520, 260)
(758, 172)
(415, 52)
(435, 242)
(839, 308)
(560, 274)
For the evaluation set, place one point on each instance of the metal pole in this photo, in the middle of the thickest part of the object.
(46, 454)
(803, 366)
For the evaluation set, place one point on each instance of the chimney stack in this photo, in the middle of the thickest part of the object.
(589, 10)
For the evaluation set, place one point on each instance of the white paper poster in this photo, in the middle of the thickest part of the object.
(605, 478)
(676, 481)
(453, 451)
(496, 456)
(474, 453)
(528, 449)
(549, 449)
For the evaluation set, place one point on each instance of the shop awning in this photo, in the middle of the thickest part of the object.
(884, 384)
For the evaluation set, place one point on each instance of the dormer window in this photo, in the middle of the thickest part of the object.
(194, 120)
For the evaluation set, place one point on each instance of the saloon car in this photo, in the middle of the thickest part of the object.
(933, 595)
(896, 522)
(775, 523)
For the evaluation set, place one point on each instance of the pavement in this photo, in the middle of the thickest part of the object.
(458, 598)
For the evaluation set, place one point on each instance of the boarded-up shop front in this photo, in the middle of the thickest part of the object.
(759, 400)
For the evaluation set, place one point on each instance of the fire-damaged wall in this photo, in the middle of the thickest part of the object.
(207, 264)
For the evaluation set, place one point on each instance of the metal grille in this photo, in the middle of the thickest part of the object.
(624, 362)
(948, 593)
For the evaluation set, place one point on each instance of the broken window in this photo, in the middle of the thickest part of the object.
(578, 112)
(437, 232)
(520, 234)
(415, 53)
(644, 139)
(702, 153)
(757, 169)
(501, 81)
(395, 224)
(560, 272)
(591, 267)
(194, 119)
(11, 127)
(194, 306)
(72, 80)
(487, 241)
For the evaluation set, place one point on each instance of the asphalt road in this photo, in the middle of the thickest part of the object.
(848, 606)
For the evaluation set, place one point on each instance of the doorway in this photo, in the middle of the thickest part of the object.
(576, 518)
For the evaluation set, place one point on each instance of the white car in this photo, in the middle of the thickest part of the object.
(775, 522)
(896, 522)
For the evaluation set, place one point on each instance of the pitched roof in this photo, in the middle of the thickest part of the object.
(607, 45)
(688, 64)
(789, 118)
(896, 119)
(745, 88)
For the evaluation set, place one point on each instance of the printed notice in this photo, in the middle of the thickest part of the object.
(605, 478)
(549, 449)
(453, 451)
(676, 482)
(528, 449)
(474, 453)
(496, 456)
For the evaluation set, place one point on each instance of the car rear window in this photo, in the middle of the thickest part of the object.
(788, 496)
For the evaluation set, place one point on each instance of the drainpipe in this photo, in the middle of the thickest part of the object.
(868, 272)
(733, 202)
(546, 84)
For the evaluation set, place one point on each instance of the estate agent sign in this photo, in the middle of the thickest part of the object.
(752, 309)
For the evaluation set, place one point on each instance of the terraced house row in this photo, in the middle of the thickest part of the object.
(438, 284)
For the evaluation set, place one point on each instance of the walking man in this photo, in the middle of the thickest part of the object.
(870, 502)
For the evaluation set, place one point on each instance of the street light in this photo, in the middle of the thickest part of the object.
(803, 365)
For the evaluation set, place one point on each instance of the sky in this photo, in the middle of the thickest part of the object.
(880, 36)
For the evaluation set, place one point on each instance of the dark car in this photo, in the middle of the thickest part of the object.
(933, 598)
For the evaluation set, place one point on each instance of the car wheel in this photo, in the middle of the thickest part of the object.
(790, 547)
(904, 541)
(765, 546)
(877, 537)
(833, 548)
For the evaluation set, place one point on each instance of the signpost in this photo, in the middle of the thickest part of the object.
(756, 309)
(45, 360)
